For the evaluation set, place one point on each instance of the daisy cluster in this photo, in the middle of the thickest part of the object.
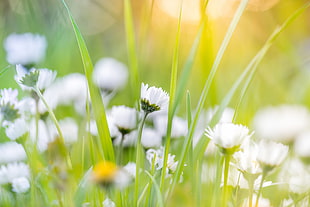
(278, 153)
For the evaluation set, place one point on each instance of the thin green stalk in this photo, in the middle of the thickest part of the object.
(260, 188)
(54, 119)
(120, 150)
(4, 70)
(138, 158)
(51, 113)
(216, 187)
(205, 91)
(173, 82)
(157, 190)
(225, 187)
(251, 190)
(147, 198)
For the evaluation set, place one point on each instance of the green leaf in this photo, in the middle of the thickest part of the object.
(96, 100)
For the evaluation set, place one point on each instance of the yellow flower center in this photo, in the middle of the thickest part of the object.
(104, 171)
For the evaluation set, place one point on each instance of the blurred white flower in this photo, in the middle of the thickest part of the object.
(302, 145)
(228, 135)
(12, 152)
(246, 159)
(205, 118)
(44, 134)
(46, 78)
(16, 129)
(271, 154)
(179, 126)
(110, 74)
(158, 157)
(8, 96)
(226, 117)
(122, 178)
(13, 170)
(129, 139)
(108, 203)
(124, 118)
(25, 49)
(69, 129)
(153, 99)
(296, 175)
(130, 167)
(282, 123)
(40, 78)
(27, 106)
(20, 185)
(150, 138)
(70, 89)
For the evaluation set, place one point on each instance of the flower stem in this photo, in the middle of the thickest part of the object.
(51, 113)
(225, 188)
(260, 188)
(138, 159)
(251, 186)
(120, 150)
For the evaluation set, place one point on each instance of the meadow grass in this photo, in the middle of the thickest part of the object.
(92, 169)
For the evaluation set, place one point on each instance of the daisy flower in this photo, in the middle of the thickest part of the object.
(153, 99)
(25, 49)
(228, 136)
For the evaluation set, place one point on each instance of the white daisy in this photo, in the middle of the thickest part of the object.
(70, 89)
(13, 170)
(150, 138)
(8, 96)
(16, 129)
(20, 185)
(271, 154)
(129, 140)
(12, 152)
(69, 129)
(282, 123)
(153, 99)
(110, 74)
(25, 49)
(40, 78)
(179, 126)
(228, 136)
(302, 145)
(246, 160)
(108, 203)
(204, 119)
(124, 118)
(158, 155)
(130, 167)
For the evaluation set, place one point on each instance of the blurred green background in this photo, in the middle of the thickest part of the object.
(283, 76)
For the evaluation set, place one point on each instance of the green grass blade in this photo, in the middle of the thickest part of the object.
(173, 83)
(157, 189)
(4, 70)
(131, 48)
(82, 189)
(203, 96)
(96, 100)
